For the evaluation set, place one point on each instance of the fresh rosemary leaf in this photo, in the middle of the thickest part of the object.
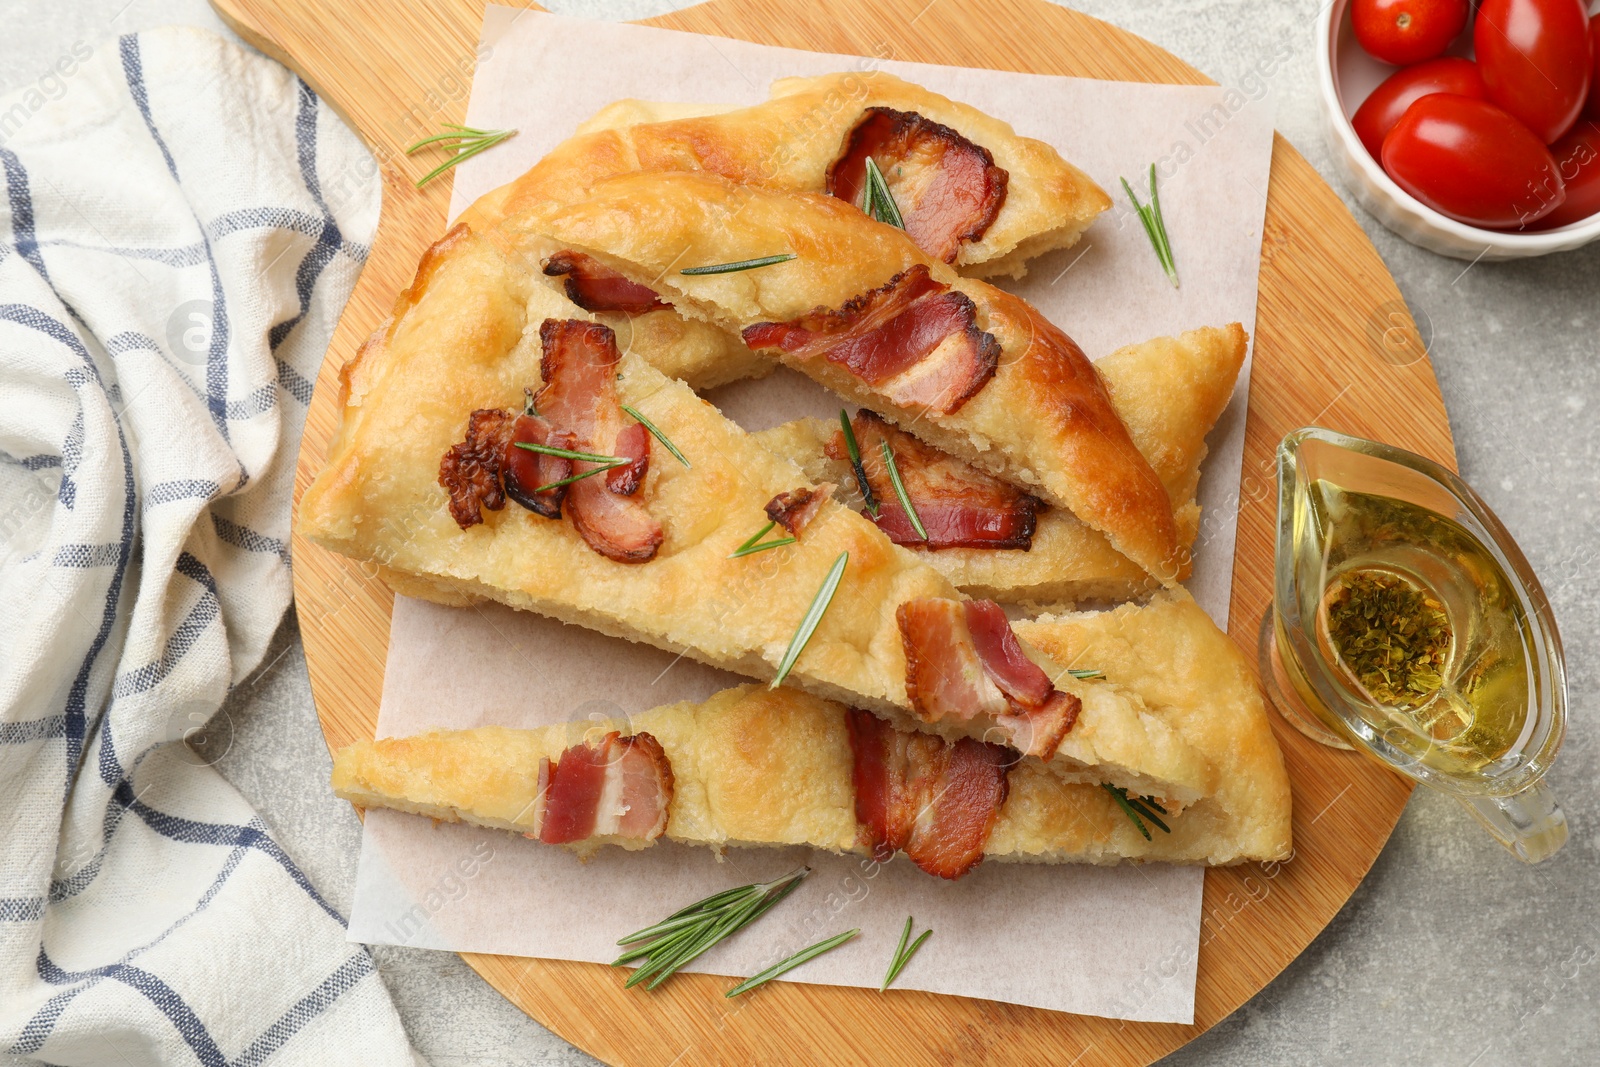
(466, 143)
(900, 490)
(808, 625)
(1139, 805)
(657, 434)
(1138, 809)
(1155, 227)
(1121, 798)
(743, 264)
(567, 453)
(1084, 675)
(590, 473)
(877, 201)
(792, 962)
(751, 547)
(902, 955)
(680, 937)
(855, 463)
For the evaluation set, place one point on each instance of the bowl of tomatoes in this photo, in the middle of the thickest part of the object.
(1470, 129)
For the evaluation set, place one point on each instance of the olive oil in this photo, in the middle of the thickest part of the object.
(1424, 625)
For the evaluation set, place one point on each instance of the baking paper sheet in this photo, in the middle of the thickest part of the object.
(1118, 942)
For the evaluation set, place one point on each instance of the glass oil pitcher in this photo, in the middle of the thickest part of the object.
(1407, 624)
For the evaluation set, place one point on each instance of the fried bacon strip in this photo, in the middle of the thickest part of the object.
(963, 662)
(960, 506)
(797, 507)
(595, 287)
(948, 189)
(935, 800)
(470, 470)
(579, 395)
(617, 787)
(914, 339)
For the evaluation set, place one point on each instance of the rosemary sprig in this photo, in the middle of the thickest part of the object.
(900, 490)
(590, 473)
(808, 625)
(902, 955)
(685, 934)
(855, 462)
(1135, 807)
(567, 453)
(655, 432)
(1155, 227)
(877, 201)
(743, 264)
(750, 547)
(792, 962)
(468, 142)
(1083, 674)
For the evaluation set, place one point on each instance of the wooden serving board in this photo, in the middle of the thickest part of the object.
(1334, 345)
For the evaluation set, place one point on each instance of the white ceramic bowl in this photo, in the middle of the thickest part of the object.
(1346, 75)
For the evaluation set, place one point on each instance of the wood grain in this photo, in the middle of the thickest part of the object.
(1334, 345)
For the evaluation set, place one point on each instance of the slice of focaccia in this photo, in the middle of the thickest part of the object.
(971, 369)
(647, 550)
(752, 766)
(1169, 392)
(973, 193)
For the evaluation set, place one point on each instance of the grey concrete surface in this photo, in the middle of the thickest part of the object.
(1450, 953)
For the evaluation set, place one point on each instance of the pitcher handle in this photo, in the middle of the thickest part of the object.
(1530, 823)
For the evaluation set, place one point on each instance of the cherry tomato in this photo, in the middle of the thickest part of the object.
(1379, 112)
(1593, 108)
(1578, 156)
(1407, 31)
(1472, 161)
(1536, 60)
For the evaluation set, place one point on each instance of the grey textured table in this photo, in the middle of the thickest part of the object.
(1451, 953)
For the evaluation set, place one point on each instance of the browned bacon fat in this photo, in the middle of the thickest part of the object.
(960, 506)
(797, 507)
(470, 470)
(964, 663)
(617, 787)
(580, 397)
(934, 800)
(948, 189)
(595, 287)
(914, 338)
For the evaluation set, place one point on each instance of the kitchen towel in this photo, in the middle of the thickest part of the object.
(183, 222)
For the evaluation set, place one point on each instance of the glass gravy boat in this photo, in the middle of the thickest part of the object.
(1407, 624)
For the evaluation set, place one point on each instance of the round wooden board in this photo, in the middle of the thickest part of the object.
(1334, 345)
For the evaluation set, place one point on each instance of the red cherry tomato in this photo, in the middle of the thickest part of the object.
(1470, 160)
(1379, 112)
(1578, 157)
(1593, 108)
(1407, 31)
(1536, 60)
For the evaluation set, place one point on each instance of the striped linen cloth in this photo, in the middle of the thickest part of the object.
(183, 222)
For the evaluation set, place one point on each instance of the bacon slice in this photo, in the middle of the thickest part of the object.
(913, 338)
(579, 395)
(948, 189)
(595, 287)
(470, 470)
(964, 663)
(797, 507)
(935, 800)
(618, 787)
(526, 471)
(960, 506)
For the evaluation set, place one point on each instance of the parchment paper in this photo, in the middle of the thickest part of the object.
(1117, 942)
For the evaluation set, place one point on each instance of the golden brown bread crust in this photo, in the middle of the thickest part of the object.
(757, 767)
(788, 143)
(1169, 392)
(465, 339)
(1044, 421)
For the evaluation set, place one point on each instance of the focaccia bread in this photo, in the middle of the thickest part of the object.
(946, 152)
(1169, 392)
(978, 372)
(753, 767)
(467, 338)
